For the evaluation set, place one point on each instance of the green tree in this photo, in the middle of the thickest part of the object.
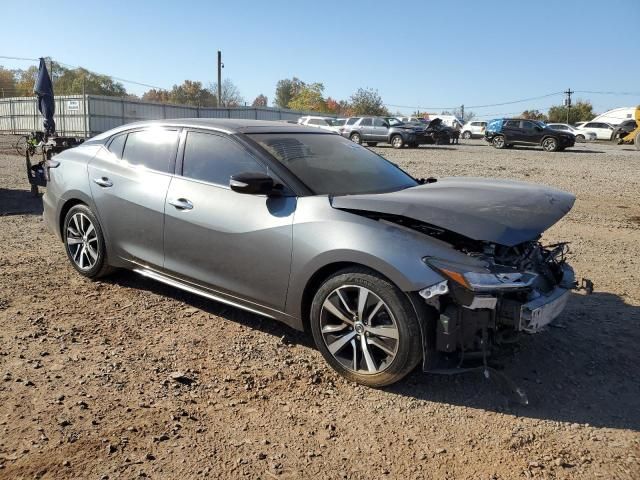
(367, 102)
(581, 111)
(25, 80)
(260, 101)
(70, 81)
(309, 98)
(286, 89)
(534, 115)
(190, 92)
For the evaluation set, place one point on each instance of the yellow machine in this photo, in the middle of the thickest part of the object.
(634, 135)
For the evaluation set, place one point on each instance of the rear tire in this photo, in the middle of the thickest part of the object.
(356, 138)
(84, 242)
(498, 142)
(379, 342)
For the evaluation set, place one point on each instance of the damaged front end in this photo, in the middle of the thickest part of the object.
(517, 289)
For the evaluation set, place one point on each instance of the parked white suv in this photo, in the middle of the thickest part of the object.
(325, 123)
(582, 135)
(473, 129)
(603, 131)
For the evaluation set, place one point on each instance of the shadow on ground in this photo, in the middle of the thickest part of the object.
(581, 370)
(19, 202)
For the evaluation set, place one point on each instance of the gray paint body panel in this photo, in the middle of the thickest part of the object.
(500, 211)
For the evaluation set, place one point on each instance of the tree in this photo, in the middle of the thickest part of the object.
(534, 115)
(7, 83)
(25, 80)
(309, 98)
(190, 92)
(367, 102)
(581, 111)
(286, 89)
(230, 94)
(71, 81)
(260, 101)
(157, 95)
(457, 112)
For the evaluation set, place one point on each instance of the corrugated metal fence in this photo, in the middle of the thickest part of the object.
(85, 116)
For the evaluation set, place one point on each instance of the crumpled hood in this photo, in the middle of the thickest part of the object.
(499, 211)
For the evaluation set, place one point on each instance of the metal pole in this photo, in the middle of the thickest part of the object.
(462, 112)
(219, 79)
(84, 108)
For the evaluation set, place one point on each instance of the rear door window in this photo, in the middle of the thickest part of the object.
(154, 148)
(512, 124)
(353, 120)
(366, 122)
(117, 144)
(215, 158)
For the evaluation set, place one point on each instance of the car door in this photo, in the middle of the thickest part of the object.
(234, 243)
(129, 181)
(380, 130)
(531, 132)
(512, 131)
(366, 129)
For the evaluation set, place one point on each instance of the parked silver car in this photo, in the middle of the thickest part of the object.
(309, 228)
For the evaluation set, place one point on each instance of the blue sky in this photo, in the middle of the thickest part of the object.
(421, 53)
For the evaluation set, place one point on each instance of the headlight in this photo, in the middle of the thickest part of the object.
(481, 279)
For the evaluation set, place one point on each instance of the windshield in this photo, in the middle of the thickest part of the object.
(394, 122)
(330, 164)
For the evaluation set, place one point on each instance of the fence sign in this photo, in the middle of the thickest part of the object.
(73, 105)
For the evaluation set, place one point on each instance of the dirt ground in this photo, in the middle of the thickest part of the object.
(126, 378)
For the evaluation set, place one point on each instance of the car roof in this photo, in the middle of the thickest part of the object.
(221, 124)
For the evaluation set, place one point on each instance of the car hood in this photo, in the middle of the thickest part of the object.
(499, 211)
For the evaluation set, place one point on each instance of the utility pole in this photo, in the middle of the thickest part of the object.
(462, 112)
(220, 67)
(567, 101)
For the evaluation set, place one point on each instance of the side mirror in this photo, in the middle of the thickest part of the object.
(253, 183)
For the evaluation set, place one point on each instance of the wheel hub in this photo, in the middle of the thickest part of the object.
(359, 328)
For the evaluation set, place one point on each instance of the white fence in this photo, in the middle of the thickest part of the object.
(88, 115)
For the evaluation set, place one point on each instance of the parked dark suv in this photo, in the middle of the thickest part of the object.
(373, 130)
(507, 132)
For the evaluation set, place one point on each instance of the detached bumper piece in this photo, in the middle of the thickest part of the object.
(540, 312)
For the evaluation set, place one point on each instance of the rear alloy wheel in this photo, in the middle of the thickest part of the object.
(365, 328)
(550, 144)
(498, 142)
(397, 141)
(580, 138)
(355, 138)
(466, 135)
(84, 242)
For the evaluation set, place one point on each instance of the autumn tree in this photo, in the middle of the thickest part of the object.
(581, 111)
(260, 101)
(7, 83)
(286, 89)
(309, 98)
(367, 102)
(190, 92)
(534, 115)
(159, 95)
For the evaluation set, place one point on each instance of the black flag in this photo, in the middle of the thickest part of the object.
(46, 104)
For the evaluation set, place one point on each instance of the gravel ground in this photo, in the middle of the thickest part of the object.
(126, 378)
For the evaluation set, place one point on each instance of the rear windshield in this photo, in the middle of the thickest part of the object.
(330, 164)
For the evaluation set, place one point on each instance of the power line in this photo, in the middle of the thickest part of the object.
(20, 58)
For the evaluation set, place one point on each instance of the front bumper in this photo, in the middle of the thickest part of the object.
(540, 312)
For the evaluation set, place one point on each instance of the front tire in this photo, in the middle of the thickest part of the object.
(84, 242)
(580, 138)
(466, 135)
(365, 328)
(397, 141)
(356, 138)
(550, 144)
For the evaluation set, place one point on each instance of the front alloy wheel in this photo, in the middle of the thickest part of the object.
(397, 141)
(466, 135)
(355, 138)
(550, 144)
(365, 327)
(359, 329)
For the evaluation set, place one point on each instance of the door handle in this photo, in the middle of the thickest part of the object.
(103, 182)
(181, 204)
